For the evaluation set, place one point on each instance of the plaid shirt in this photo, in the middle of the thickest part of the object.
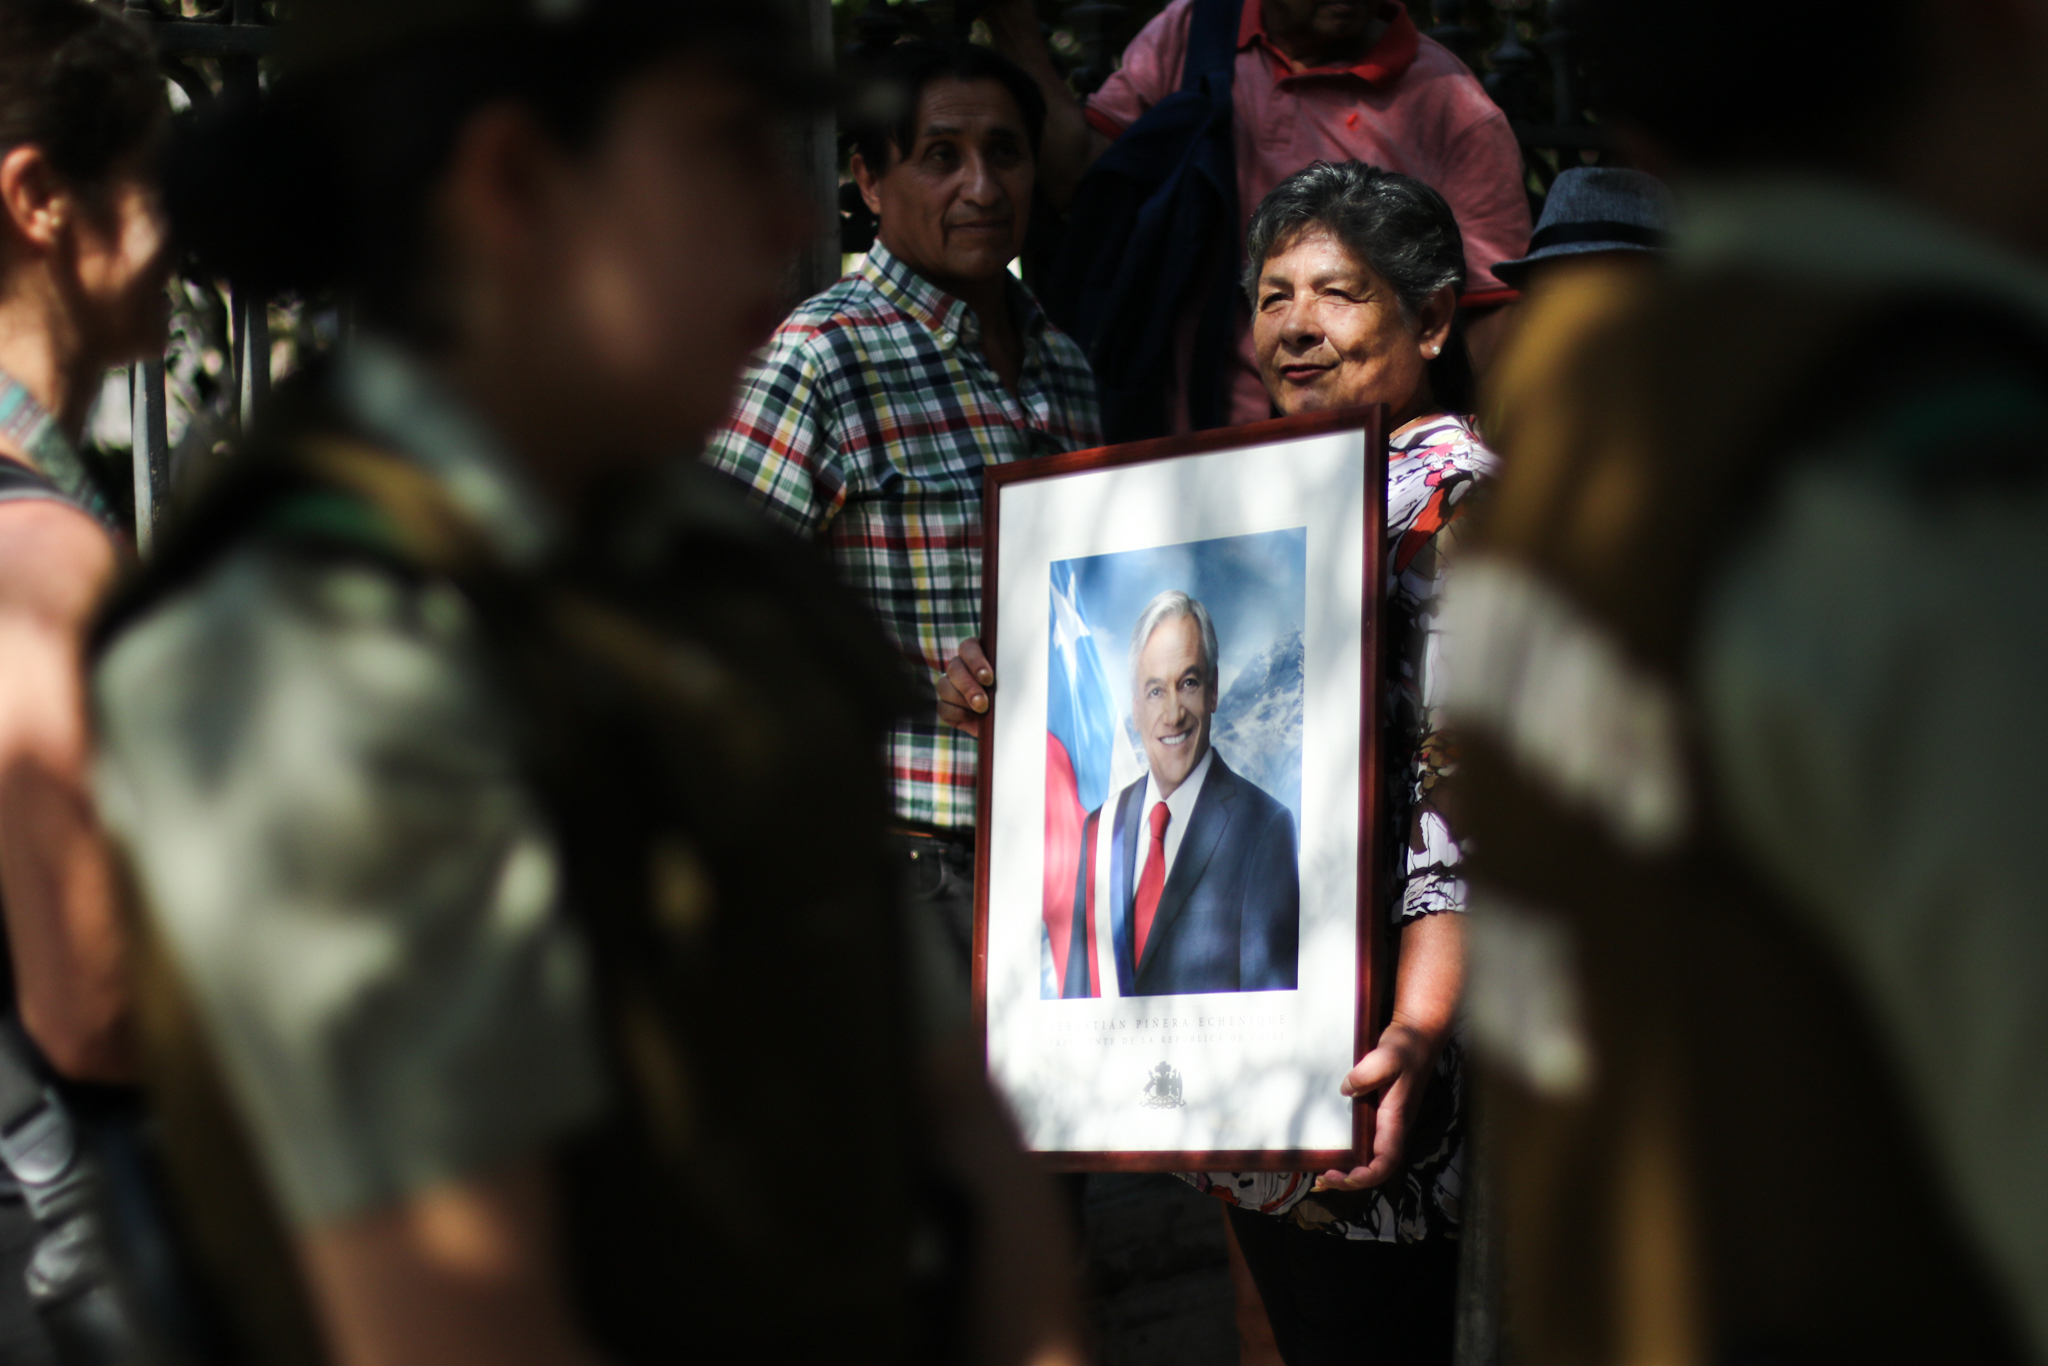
(866, 422)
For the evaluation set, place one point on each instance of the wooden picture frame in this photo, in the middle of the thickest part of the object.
(1330, 468)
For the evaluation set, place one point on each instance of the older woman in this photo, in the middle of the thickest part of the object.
(1353, 275)
(1353, 278)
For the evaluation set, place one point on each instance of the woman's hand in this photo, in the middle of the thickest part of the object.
(1399, 1068)
(965, 686)
(1427, 984)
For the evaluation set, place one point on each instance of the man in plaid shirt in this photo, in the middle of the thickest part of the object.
(867, 421)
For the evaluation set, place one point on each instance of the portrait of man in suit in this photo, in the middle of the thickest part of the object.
(1202, 891)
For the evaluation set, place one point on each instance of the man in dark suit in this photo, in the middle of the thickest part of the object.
(1202, 885)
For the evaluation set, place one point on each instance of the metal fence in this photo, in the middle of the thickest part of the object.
(214, 48)
(231, 36)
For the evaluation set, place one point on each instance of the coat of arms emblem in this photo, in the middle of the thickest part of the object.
(1162, 1088)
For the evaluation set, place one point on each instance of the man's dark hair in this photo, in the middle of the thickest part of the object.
(1400, 227)
(327, 181)
(80, 83)
(895, 83)
(1818, 85)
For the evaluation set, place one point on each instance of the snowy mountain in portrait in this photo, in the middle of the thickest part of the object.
(1258, 724)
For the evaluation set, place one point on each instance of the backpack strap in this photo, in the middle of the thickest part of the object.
(19, 483)
(57, 468)
(1212, 43)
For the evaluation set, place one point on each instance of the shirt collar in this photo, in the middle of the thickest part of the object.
(1844, 234)
(387, 392)
(1181, 804)
(951, 319)
(1390, 56)
(1427, 432)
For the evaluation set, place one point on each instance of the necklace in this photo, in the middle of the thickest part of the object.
(23, 422)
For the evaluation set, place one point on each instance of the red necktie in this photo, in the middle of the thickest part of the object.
(1152, 880)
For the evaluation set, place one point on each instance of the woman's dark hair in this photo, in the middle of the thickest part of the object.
(81, 83)
(893, 84)
(1396, 225)
(327, 181)
(1828, 80)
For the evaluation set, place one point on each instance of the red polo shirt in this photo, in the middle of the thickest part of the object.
(1409, 106)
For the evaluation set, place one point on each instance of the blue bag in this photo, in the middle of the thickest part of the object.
(1152, 234)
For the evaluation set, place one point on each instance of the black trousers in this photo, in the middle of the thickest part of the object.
(938, 879)
(1340, 1302)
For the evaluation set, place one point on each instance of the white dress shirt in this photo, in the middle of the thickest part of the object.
(1180, 806)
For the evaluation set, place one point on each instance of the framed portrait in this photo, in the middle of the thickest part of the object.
(1179, 942)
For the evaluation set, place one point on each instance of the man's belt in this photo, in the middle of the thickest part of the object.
(962, 838)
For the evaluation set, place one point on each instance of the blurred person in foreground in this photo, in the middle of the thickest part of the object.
(1353, 285)
(1760, 959)
(82, 268)
(866, 423)
(524, 979)
(1213, 104)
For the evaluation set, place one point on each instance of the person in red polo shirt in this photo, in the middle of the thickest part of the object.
(1315, 80)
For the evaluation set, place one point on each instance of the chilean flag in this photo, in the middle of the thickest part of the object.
(1080, 746)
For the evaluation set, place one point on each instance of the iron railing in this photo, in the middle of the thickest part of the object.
(232, 37)
(236, 35)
